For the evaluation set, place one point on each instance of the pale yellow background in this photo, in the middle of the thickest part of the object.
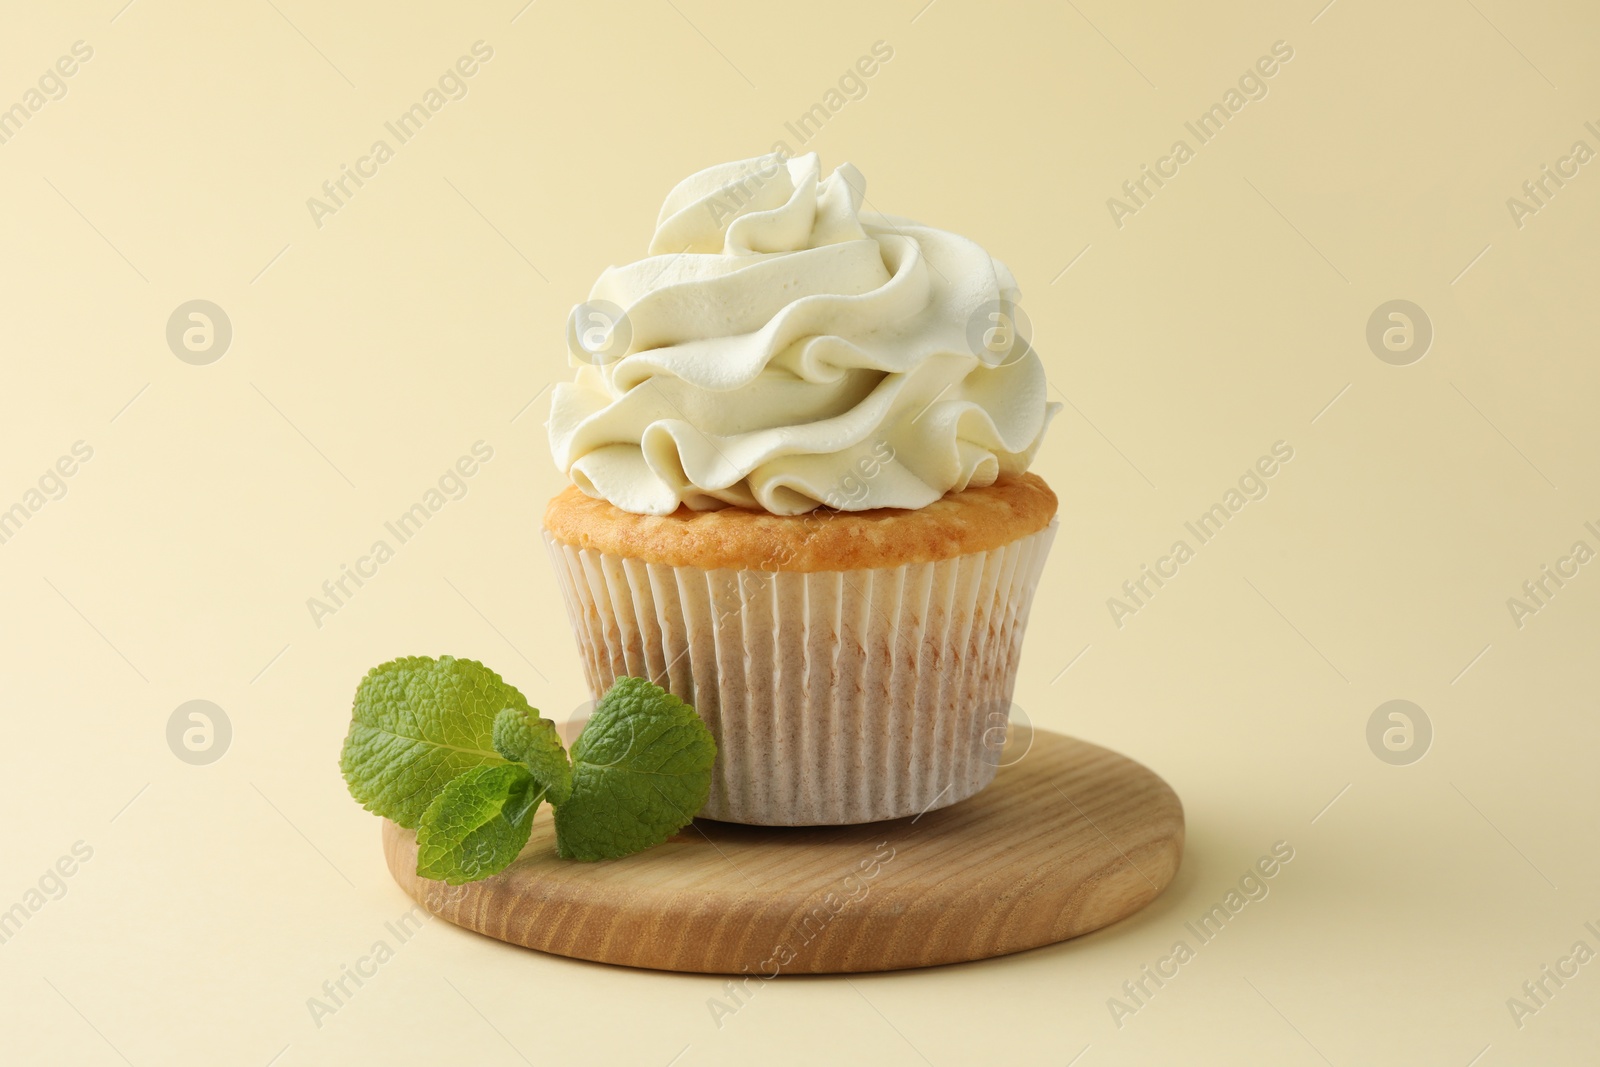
(428, 314)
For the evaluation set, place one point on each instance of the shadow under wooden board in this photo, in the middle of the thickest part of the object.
(1070, 837)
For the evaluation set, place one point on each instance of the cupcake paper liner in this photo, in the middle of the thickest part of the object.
(834, 696)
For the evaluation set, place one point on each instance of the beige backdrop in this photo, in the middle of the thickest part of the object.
(1188, 331)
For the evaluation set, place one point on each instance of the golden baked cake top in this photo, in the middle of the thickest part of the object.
(957, 524)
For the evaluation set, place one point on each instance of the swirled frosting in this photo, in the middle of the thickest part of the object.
(784, 350)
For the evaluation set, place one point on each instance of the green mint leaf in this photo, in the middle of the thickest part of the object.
(477, 824)
(418, 722)
(534, 742)
(641, 769)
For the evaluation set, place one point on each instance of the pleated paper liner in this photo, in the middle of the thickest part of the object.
(835, 697)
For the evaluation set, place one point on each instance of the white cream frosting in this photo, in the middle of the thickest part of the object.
(787, 350)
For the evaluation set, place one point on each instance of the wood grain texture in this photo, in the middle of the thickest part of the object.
(1070, 837)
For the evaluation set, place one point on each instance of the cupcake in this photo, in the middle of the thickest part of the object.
(798, 440)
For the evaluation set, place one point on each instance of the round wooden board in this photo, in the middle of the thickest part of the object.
(1070, 837)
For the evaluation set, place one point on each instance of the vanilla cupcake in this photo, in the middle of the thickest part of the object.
(798, 440)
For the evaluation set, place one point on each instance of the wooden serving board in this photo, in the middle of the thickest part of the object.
(1070, 837)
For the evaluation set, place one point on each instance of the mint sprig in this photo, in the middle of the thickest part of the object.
(535, 744)
(640, 770)
(477, 824)
(450, 749)
(418, 722)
